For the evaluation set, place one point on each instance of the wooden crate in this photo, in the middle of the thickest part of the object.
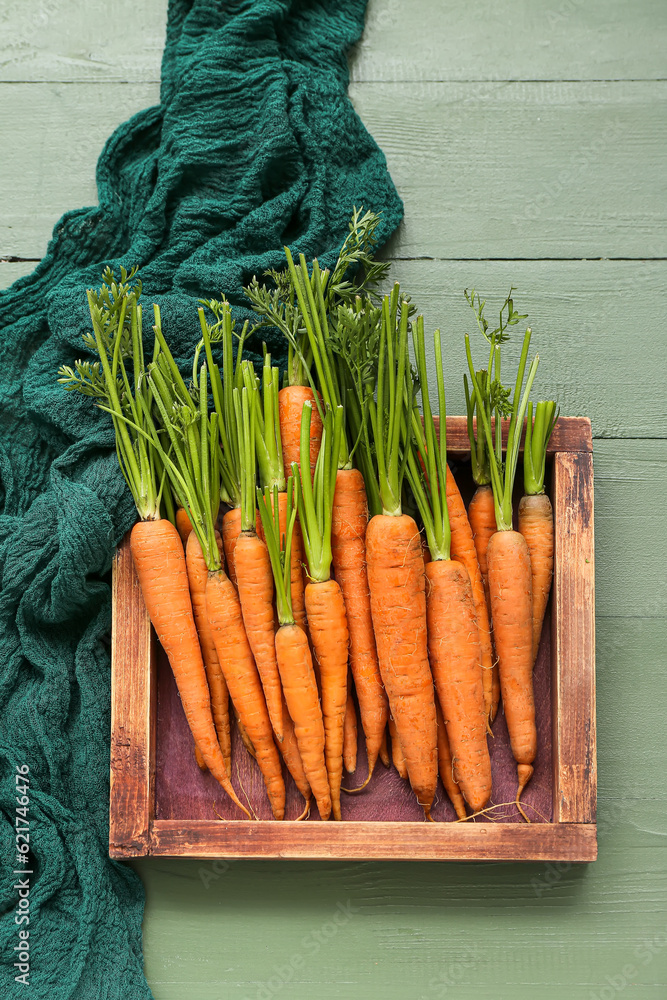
(161, 804)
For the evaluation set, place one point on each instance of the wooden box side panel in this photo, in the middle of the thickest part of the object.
(133, 710)
(573, 640)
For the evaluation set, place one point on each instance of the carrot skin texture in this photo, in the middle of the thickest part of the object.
(463, 551)
(397, 757)
(350, 735)
(455, 656)
(231, 529)
(201, 763)
(348, 546)
(183, 525)
(482, 517)
(296, 673)
(510, 587)
(536, 524)
(384, 750)
(398, 606)
(245, 689)
(446, 768)
(327, 623)
(217, 686)
(255, 588)
(159, 559)
(290, 407)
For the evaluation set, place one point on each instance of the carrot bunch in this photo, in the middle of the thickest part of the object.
(345, 572)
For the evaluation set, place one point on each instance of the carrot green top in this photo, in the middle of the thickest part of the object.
(279, 547)
(427, 457)
(503, 474)
(266, 417)
(315, 497)
(535, 446)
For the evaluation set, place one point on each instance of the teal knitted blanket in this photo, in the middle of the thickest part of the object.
(254, 144)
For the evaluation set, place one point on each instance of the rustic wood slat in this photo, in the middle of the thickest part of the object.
(572, 434)
(573, 640)
(375, 841)
(133, 712)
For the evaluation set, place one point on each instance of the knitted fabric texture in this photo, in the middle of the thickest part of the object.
(255, 144)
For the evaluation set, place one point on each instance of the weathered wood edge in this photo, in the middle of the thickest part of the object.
(573, 641)
(133, 713)
(570, 434)
(372, 841)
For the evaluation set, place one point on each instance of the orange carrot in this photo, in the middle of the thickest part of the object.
(446, 767)
(536, 518)
(398, 605)
(463, 550)
(350, 734)
(289, 749)
(482, 517)
(293, 654)
(454, 650)
(291, 400)
(453, 634)
(536, 524)
(231, 529)
(158, 555)
(201, 763)
(183, 524)
(396, 752)
(255, 588)
(510, 587)
(197, 579)
(245, 689)
(348, 544)
(384, 750)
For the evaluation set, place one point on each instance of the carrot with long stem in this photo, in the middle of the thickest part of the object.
(196, 460)
(349, 510)
(156, 546)
(293, 654)
(325, 606)
(453, 634)
(396, 566)
(510, 583)
(254, 577)
(536, 518)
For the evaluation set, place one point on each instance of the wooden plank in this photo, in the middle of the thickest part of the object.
(375, 841)
(552, 170)
(133, 711)
(589, 181)
(573, 640)
(530, 40)
(571, 434)
(594, 326)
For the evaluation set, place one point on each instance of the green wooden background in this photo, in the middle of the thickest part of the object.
(529, 141)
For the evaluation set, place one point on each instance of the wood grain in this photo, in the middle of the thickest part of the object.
(573, 637)
(133, 713)
(375, 841)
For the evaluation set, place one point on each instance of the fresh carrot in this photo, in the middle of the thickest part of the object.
(446, 767)
(510, 584)
(197, 578)
(397, 757)
(253, 565)
(350, 733)
(291, 399)
(482, 517)
(155, 543)
(293, 654)
(536, 518)
(183, 524)
(384, 750)
(231, 529)
(463, 550)
(349, 511)
(396, 566)
(453, 634)
(325, 607)
(289, 749)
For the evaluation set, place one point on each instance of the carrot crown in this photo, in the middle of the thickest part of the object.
(427, 456)
(315, 497)
(279, 546)
(503, 475)
(535, 445)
